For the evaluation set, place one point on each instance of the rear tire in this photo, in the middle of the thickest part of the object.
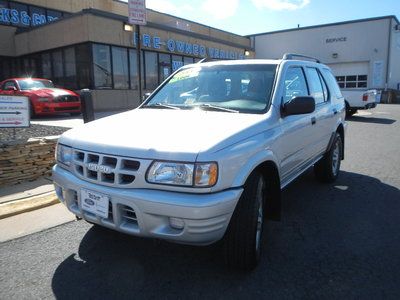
(327, 169)
(243, 240)
(32, 113)
(350, 111)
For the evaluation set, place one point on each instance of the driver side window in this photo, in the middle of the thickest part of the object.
(8, 84)
(295, 84)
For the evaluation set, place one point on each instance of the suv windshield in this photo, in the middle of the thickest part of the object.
(234, 88)
(28, 84)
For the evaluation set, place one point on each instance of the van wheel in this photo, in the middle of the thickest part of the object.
(349, 111)
(327, 169)
(243, 240)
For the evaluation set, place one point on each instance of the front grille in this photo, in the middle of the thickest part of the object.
(66, 98)
(105, 169)
(66, 108)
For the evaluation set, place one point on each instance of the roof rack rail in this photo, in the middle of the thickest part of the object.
(289, 56)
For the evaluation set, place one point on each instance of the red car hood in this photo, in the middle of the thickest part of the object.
(54, 92)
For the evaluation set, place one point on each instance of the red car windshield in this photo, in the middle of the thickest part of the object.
(29, 84)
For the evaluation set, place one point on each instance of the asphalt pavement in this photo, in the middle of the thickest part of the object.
(338, 241)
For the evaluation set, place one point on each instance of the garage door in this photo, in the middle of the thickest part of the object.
(351, 75)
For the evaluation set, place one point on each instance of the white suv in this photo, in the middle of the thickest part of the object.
(205, 157)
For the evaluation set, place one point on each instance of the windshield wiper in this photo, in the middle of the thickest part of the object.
(207, 106)
(161, 105)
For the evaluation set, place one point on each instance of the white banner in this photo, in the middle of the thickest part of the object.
(137, 12)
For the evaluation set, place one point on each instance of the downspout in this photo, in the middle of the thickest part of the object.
(388, 54)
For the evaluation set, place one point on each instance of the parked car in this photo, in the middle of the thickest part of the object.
(205, 157)
(356, 99)
(44, 98)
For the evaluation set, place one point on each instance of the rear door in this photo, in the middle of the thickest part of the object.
(323, 114)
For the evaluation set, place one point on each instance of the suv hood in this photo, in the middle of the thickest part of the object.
(163, 133)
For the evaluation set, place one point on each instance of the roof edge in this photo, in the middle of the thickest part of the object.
(327, 25)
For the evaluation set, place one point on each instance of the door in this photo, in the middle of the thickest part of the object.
(324, 112)
(294, 144)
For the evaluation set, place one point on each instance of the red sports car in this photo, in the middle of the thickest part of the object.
(44, 98)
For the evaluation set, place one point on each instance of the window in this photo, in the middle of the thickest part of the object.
(120, 68)
(151, 70)
(333, 86)
(9, 84)
(46, 66)
(316, 89)
(177, 62)
(164, 63)
(58, 68)
(352, 81)
(133, 69)
(188, 60)
(4, 19)
(83, 65)
(70, 68)
(53, 15)
(38, 16)
(102, 66)
(295, 84)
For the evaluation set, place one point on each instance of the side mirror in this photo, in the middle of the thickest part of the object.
(299, 105)
(145, 96)
(11, 88)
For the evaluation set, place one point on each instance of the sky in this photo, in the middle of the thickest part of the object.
(246, 17)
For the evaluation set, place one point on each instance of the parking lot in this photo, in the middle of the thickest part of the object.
(339, 240)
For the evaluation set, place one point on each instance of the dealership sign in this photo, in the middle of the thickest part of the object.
(137, 12)
(23, 18)
(14, 111)
(181, 47)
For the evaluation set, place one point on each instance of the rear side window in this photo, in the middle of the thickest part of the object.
(295, 84)
(332, 84)
(316, 86)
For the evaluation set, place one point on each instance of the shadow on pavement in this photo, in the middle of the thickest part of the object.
(337, 240)
(375, 120)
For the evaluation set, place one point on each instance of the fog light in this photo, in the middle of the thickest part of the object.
(176, 223)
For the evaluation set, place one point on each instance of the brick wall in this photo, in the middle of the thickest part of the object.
(26, 160)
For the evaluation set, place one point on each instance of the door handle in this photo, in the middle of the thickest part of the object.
(313, 120)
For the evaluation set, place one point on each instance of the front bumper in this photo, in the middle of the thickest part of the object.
(46, 108)
(205, 216)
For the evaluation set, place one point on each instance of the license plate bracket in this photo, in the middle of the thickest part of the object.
(95, 202)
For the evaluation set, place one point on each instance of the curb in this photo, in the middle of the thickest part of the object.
(17, 207)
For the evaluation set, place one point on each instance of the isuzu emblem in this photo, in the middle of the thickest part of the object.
(98, 168)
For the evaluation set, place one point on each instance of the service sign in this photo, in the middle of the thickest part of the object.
(14, 111)
(137, 12)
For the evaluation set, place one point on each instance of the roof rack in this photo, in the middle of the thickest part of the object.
(290, 56)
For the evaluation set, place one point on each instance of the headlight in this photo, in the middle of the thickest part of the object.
(42, 99)
(63, 154)
(190, 175)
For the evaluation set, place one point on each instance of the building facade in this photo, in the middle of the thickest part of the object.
(362, 53)
(88, 44)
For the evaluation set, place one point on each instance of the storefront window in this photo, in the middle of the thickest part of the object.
(53, 15)
(102, 66)
(4, 20)
(38, 16)
(58, 68)
(188, 60)
(19, 15)
(83, 66)
(133, 69)
(177, 62)
(46, 66)
(151, 70)
(164, 64)
(120, 68)
(70, 68)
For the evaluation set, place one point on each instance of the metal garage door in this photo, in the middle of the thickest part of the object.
(351, 75)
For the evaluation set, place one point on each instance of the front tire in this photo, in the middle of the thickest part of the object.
(243, 240)
(327, 169)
